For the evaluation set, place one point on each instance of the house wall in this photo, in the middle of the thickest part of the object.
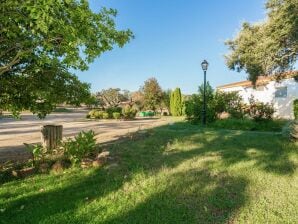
(283, 105)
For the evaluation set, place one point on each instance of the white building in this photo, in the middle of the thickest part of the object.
(268, 89)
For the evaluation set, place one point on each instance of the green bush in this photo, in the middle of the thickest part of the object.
(295, 108)
(260, 111)
(98, 114)
(194, 107)
(79, 147)
(116, 115)
(249, 124)
(37, 151)
(105, 115)
(176, 103)
(129, 112)
(230, 102)
(111, 110)
(95, 114)
(91, 113)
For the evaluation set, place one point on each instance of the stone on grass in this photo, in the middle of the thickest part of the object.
(59, 166)
(104, 154)
(23, 172)
(98, 163)
(85, 163)
(44, 167)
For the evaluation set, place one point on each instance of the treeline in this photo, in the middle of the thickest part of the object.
(150, 97)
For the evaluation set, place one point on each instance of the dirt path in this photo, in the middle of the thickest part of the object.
(13, 133)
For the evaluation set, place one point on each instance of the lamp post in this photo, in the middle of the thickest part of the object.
(204, 65)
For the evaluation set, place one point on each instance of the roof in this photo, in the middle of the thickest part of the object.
(262, 80)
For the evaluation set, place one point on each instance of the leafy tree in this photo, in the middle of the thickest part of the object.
(230, 102)
(40, 92)
(93, 102)
(194, 105)
(138, 99)
(41, 40)
(176, 102)
(152, 94)
(267, 47)
(166, 100)
(111, 97)
(246, 53)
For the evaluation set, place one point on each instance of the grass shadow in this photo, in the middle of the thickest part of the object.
(186, 195)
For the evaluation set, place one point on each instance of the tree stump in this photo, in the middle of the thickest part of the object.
(51, 136)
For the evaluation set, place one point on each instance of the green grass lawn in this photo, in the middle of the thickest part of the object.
(178, 174)
(249, 125)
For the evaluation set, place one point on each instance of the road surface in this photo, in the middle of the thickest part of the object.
(14, 133)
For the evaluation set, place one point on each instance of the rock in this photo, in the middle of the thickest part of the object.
(104, 154)
(58, 166)
(85, 163)
(98, 163)
(23, 172)
(44, 167)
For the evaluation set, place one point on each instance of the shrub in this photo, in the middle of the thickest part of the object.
(249, 124)
(290, 130)
(111, 110)
(194, 107)
(259, 110)
(105, 115)
(37, 151)
(176, 104)
(295, 108)
(165, 113)
(79, 147)
(99, 114)
(91, 113)
(230, 102)
(129, 112)
(116, 115)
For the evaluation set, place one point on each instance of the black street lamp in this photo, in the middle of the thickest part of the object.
(204, 65)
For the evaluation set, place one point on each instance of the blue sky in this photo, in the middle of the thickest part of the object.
(172, 37)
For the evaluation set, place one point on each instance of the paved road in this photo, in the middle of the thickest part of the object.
(13, 133)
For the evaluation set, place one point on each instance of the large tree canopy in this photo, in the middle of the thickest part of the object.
(267, 47)
(152, 94)
(112, 97)
(41, 40)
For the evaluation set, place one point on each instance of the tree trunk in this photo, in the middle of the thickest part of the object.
(51, 136)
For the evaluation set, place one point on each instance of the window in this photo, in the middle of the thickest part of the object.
(281, 92)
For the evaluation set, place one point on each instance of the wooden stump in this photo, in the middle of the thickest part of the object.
(51, 136)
